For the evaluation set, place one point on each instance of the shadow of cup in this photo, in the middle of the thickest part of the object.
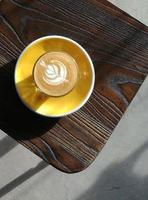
(15, 118)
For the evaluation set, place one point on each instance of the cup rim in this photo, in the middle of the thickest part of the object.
(91, 66)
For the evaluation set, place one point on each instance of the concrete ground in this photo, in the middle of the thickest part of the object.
(120, 171)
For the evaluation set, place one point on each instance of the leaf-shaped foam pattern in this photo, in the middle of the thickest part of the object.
(55, 72)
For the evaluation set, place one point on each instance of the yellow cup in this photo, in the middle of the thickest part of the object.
(35, 99)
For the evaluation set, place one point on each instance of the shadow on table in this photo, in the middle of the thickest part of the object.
(19, 122)
(119, 182)
(15, 118)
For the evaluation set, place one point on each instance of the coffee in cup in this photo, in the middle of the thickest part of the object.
(55, 73)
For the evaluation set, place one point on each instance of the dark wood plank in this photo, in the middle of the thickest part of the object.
(118, 45)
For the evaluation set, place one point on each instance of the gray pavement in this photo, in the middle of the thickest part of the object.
(120, 171)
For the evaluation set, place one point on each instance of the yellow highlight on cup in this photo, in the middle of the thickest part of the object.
(40, 102)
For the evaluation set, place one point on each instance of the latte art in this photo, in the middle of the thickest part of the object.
(55, 73)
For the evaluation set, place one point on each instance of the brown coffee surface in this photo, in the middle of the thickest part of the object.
(55, 73)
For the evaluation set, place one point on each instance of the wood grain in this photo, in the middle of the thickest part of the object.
(118, 46)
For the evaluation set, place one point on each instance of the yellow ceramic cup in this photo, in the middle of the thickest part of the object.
(35, 99)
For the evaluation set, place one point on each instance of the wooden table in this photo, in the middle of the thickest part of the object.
(118, 45)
